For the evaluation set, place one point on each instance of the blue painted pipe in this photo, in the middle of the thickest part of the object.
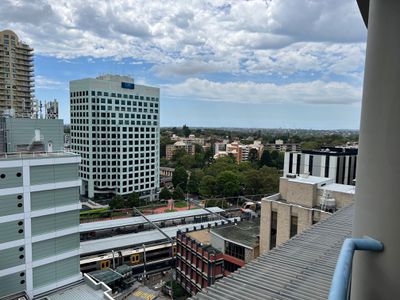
(341, 278)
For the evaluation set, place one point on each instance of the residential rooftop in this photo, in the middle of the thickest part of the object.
(302, 268)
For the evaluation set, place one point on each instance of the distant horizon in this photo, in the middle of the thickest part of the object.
(250, 128)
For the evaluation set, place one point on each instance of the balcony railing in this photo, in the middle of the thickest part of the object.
(341, 277)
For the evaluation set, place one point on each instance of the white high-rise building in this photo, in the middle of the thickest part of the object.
(115, 128)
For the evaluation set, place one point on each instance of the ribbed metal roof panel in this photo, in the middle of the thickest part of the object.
(302, 268)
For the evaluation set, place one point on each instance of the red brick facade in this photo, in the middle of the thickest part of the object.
(197, 266)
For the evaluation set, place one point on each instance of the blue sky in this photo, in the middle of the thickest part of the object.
(257, 63)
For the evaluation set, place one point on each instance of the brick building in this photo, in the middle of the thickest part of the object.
(207, 255)
(198, 264)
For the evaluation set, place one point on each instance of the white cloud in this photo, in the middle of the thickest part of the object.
(314, 92)
(42, 82)
(282, 36)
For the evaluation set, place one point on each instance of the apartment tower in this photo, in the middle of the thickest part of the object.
(16, 75)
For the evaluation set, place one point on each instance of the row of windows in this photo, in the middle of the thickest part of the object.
(102, 184)
(234, 250)
(124, 102)
(78, 144)
(112, 128)
(116, 162)
(82, 103)
(85, 113)
(115, 108)
(123, 135)
(148, 168)
(79, 107)
(108, 94)
(126, 116)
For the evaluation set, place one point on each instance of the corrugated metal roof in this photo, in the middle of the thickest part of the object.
(302, 268)
(128, 240)
(99, 225)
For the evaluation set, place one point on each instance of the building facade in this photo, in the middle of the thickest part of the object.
(301, 202)
(280, 146)
(115, 128)
(198, 265)
(206, 255)
(27, 135)
(188, 147)
(239, 151)
(39, 222)
(337, 163)
(16, 75)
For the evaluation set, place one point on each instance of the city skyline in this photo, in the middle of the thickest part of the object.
(248, 64)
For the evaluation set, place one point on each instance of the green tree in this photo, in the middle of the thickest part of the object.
(198, 148)
(178, 194)
(164, 162)
(222, 164)
(253, 182)
(186, 161)
(186, 131)
(179, 177)
(165, 194)
(207, 186)
(194, 181)
(311, 145)
(133, 200)
(117, 202)
(178, 154)
(253, 155)
(280, 161)
(228, 183)
(265, 159)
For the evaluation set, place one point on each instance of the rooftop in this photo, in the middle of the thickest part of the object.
(86, 289)
(201, 236)
(107, 276)
(35, 155)
(99, 225)
(302, 268)
(342, 188)
(244, 233)
(126, 240)
(333, 151)
(310, 179)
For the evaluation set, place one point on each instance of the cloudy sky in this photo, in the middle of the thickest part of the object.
(256, 63)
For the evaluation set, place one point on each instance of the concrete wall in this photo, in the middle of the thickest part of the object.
(301, 194)
(265, 225)
(306, 217)
(283, 231)
(22, 132)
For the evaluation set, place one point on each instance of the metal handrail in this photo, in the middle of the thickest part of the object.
(341, 278)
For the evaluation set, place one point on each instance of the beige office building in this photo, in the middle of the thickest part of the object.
(16, 75)
(301, 202)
